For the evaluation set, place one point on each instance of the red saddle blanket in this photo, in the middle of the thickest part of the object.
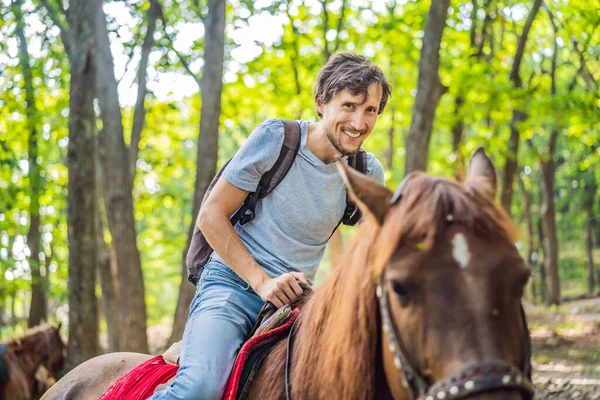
(140, 382)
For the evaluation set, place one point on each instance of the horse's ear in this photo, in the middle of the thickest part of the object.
(372, 198)
(482, 171)
(58, 326)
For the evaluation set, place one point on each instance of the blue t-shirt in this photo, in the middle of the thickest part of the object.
(295, 221)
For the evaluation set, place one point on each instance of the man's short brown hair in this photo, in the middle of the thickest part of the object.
(353, 72)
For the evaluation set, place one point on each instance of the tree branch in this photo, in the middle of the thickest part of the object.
(54, 16)
(514, 73)
(583, 70)
(486, 21)
(339, 26)
(473, 31)
(183, 60)
(139, 115)
(296, 55)
(326, 52)
(125, 69)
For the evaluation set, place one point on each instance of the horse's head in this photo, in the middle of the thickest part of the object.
(56, 352)
(450, 281)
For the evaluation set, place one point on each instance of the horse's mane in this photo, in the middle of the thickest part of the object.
(340, 318)
(31, 338)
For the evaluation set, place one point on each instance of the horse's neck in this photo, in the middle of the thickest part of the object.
(29, 357)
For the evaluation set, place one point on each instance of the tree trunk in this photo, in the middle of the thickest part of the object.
(549, 227)
(37, 312)
(457, 134)
(118, 199)
(211, 87)
(597, 231)
(511, 166)
(429, 89)
(542, 264)
(81, 200)
(139, 115)
(588, 204)
(589, 254)
(530, 234)
(389, 154)
(108, 283)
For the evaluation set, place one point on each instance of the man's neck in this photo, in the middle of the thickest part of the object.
(319, 144)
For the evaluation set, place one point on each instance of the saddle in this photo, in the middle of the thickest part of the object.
(271, 325)
(158, 372)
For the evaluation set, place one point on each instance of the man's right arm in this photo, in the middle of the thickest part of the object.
(213, 221)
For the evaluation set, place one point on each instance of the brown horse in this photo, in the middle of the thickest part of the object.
(39, 346)
(426, 303)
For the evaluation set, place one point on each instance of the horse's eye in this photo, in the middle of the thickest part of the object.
(401, 293)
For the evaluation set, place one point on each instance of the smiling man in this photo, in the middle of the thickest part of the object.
(262, 260)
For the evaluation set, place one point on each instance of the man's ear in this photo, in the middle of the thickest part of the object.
(372, 198)
(320, 106)
(482, 171)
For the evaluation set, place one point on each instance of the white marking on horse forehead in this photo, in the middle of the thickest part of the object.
(460, 250)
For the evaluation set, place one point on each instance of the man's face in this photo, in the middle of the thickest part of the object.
(349, 119)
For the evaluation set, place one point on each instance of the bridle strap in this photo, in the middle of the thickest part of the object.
(398, 193)
(288, 356)
(411, 379)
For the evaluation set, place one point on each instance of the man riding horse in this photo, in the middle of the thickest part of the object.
(262, 260)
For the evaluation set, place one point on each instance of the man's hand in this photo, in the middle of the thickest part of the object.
(282, 290)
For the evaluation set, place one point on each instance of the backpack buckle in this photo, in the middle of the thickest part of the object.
(247, 216)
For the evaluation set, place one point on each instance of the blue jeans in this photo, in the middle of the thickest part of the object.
(222, 313)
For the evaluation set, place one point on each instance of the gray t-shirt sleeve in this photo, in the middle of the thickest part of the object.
(256, 156)
(375, 169)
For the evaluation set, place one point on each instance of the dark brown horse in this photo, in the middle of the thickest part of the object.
(426, 303)
(39, 346)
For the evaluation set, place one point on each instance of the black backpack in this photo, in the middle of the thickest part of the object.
(200, 251)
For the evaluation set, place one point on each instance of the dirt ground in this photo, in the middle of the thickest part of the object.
(566, 350)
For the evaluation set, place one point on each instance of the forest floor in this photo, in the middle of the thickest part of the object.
(566, 350)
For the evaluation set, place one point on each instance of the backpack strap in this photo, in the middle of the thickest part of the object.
(352, 213)
(271, 178)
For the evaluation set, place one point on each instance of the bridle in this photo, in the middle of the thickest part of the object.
(474, 379)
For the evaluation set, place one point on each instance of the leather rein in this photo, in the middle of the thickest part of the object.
(474, 379)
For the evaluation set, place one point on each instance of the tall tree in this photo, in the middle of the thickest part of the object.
(477, 41)
(429, 89)
(37, 311)
(590, 188)
(82, 205)
(511, 165)
(118, 173)
(328, 47)
(531, 263)
(547, 191)
(107, 270)
(211, 87)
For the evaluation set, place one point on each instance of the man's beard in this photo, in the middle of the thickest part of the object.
(338, 145)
